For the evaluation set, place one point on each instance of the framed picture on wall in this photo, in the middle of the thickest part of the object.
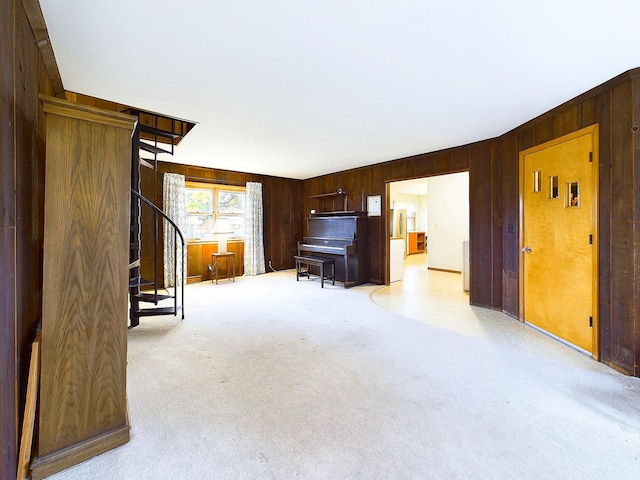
(374, 205)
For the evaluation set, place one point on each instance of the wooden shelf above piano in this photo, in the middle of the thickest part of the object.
(332, 196)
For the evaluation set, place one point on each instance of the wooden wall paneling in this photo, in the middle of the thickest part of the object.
(566, 121)
(378, 234)
(460, 158)
(7, 102)
(396, 170)
(8, 315)
(39, 37)
(602, 108)
(106, 105)
(238, 249)
(268, 235)
(622, 235)
(280, 248)
(428, 164)
(442, 163)
(377, 231)
(622, 355)
(525, 138)
(587, 113)
(206, 259)
(635, 144)
(147, 238)
(635, 134)
(273, 242)
(480, 228)
(507, 233)
(194, 263)
(275, 248)
(296, 220)
(621, 154)
(22, 75)
(543, 130)
(29, 176)
(635, 326)
(410, 167)
(497, 223)
(377, 250)
(9, 411)
(414, 166)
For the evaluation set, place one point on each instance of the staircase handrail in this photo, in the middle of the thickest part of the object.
(177, 230)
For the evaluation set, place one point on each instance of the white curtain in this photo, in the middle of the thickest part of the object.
(174, 203)
(253, 242)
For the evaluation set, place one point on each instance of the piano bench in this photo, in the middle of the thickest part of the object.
(305, 260)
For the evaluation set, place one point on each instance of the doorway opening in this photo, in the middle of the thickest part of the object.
(428, 226)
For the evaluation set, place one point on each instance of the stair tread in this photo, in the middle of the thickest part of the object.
(152, 148)
(158, 131)
(146, 162)
(139, 281)
(151, 297)
(149, 312)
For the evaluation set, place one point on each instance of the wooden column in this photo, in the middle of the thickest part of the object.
(83, 410)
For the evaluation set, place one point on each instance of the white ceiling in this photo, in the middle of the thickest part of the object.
(304, 88)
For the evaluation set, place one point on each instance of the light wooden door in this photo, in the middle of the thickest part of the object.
(559, 221)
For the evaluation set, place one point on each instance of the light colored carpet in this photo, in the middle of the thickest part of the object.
(269, 378)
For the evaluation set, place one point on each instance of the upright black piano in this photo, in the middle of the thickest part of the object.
(344, 237)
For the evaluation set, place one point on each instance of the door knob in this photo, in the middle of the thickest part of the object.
(526, 249)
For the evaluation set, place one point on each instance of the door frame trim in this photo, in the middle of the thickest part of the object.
(595, 296)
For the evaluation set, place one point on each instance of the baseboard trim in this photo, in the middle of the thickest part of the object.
(55, 462)
(444, 270)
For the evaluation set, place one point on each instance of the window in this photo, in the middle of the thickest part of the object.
(206, 202)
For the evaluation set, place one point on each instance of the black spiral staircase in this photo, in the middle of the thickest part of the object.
(149, 296)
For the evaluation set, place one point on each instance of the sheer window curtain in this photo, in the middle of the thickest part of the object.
(253, 243)
(174, 205)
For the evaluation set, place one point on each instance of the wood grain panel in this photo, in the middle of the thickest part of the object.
(194, 262)
(587, 113)
(603, 114)
(480, 228)
(622, 154)
(22, 76)
(460, 158)
(622, 355)
(566, 121)
(543, 130)
(508, 235)
(84, 249)
(40, 37)
(7, 146)
(199, 259)
(9, 377)
(85, 285)
(634, 330)
(8, 361)
(29, 187)
(206, 260)
(634, 134)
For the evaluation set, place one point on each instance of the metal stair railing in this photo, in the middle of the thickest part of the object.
(176, 234)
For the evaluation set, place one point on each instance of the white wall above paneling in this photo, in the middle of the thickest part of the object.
(448, 205)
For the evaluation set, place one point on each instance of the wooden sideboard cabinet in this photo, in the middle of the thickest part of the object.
(417, 242)
(199, 259)
(83, 399)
